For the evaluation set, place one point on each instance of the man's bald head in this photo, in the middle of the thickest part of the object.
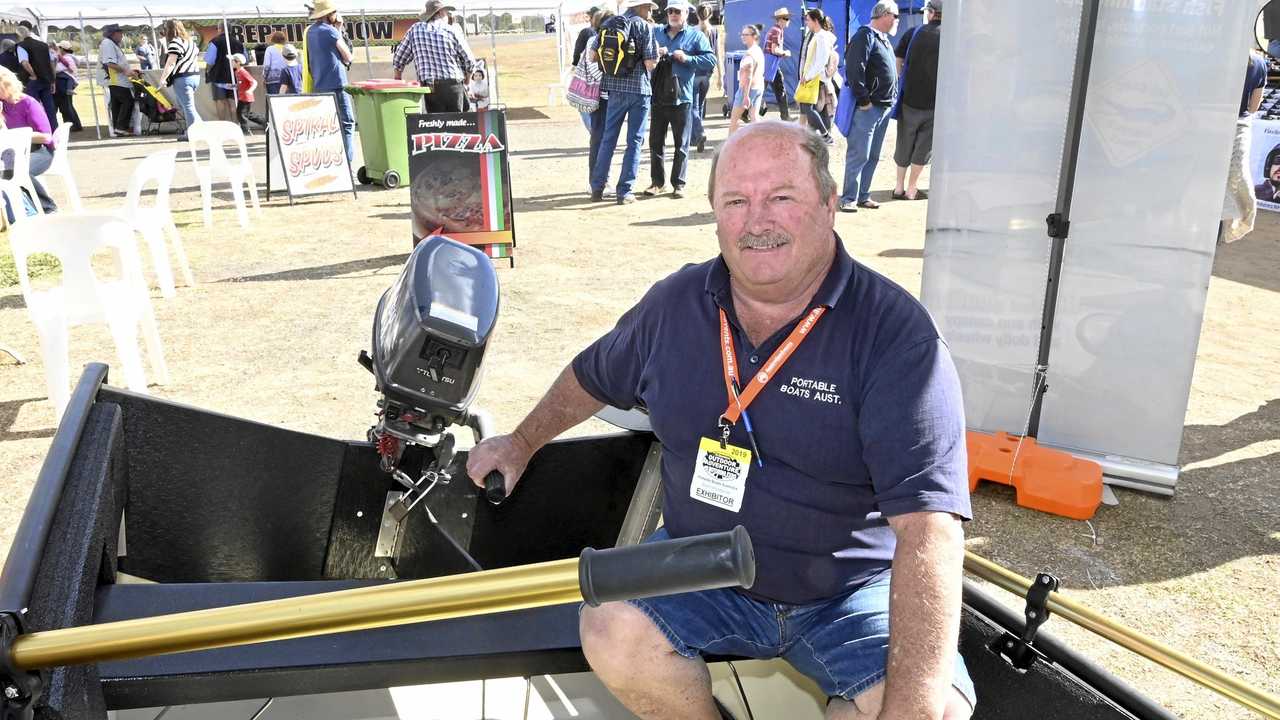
(761, 134)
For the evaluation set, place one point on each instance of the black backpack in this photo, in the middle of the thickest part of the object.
(666, 88)
(617, 47)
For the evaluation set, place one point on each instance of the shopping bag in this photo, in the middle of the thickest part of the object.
(807, 93)
(584, 89)
(845, 108)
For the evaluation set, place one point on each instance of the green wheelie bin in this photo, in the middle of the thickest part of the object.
(380, 109)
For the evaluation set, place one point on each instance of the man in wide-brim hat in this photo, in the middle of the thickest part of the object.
(328, 58)
(441, 57)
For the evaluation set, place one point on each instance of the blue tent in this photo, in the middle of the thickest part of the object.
(846, 15)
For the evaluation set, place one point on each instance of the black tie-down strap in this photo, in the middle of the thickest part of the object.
(1020, 652)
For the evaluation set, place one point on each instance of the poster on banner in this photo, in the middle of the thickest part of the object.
(307, 136)
(460, 182)
(1264, 163)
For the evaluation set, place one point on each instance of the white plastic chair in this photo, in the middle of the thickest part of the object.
(82, 298)
(155, 221)
(213, 135)
(11, 194)
(61, 165)
(16, 143)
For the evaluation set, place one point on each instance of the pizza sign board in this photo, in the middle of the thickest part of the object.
(460, 183)
(306, 134)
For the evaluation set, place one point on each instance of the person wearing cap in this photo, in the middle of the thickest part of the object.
(37, 60)
(327, 60)
(291, 79)
(918, 66)
(775, 49)
(65, 83)
(245, 85)
(629, 97)
(690, 52)
(116, 68)
(440, 56)
(872, 75)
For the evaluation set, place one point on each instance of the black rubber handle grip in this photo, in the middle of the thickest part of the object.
(495, 488)
(701, 562)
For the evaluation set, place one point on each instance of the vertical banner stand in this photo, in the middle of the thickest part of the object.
(1050, 480)
(93, 95)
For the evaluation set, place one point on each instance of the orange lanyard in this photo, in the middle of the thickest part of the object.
(738, 403)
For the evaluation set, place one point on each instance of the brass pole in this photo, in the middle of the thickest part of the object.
(492, 591)
(1251, 697)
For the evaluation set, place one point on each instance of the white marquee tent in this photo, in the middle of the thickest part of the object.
(78, 13)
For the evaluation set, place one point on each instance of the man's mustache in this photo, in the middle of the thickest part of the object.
(771, 238)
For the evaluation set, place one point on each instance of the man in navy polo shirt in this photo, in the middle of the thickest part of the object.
(802, 395)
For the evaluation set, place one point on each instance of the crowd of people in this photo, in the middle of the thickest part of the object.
(654, 76)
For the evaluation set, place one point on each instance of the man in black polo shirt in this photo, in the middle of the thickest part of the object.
(36, 60)
(872, 75)
(918, 63)
(800, 394)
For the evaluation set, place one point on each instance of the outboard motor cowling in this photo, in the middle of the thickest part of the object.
(429, 338)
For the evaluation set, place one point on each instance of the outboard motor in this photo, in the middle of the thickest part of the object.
(430, 333)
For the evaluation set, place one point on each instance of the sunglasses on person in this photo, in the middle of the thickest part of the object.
(675, 11)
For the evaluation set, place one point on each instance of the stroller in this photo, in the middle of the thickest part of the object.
(154, 107)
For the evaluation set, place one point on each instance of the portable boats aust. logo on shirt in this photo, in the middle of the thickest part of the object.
(811, 389)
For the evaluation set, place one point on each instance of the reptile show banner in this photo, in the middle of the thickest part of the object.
(460, 182)
(305, 146)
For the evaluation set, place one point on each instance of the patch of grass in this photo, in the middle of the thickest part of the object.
(38, 265)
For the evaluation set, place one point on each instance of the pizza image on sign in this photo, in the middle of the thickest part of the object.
(459, 184)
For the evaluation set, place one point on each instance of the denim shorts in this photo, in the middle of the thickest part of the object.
(755, 97)
(841, 644)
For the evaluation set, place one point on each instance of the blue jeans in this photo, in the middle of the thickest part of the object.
(595, 123)
(586, 119)
(842, 644)
(185, 89)
(863, 153)
(633, 108)
(701, 86)
(43, 92)
(347, 118)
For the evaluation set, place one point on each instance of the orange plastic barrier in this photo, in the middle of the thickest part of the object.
(1048, 480)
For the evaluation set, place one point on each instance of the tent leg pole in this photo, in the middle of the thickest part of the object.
(368, 59)
(493, 55)
(235, 95)
(93, 95)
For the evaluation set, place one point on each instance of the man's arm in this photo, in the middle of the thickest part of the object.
(566, 404)
(856, 58)
(924, 614)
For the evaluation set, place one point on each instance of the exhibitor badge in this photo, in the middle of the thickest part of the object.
(720, 475)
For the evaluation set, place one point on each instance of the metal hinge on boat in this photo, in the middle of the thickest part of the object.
(19, 689)
(1020, 651)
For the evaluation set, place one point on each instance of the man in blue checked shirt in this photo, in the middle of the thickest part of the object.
(628, 100)
(690, 53)
(441, 57)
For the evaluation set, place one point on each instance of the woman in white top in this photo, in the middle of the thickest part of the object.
(180, 69)
(750, 80)
(816, 53)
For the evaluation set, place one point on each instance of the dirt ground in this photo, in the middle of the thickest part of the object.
(272, 328)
